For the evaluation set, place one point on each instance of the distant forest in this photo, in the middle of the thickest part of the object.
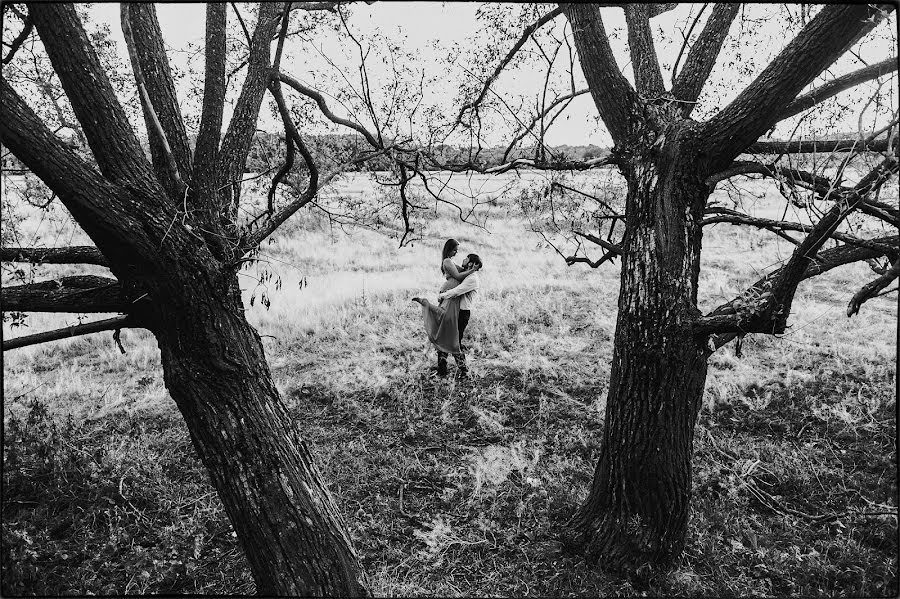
(268, 150)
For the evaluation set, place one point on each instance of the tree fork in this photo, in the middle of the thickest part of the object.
(634, 519)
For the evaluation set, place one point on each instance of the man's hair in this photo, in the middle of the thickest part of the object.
(474, 258)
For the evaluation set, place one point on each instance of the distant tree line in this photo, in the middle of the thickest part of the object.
(268, 150)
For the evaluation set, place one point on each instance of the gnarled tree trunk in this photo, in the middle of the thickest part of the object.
(215, 369)
(637, 509)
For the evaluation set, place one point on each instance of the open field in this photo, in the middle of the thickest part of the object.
(454, 488)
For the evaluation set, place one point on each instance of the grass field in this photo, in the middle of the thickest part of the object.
(459, 489)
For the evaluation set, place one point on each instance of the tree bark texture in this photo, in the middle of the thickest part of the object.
(214, 366)
(85, 293)
(78, 254)
(637, 509)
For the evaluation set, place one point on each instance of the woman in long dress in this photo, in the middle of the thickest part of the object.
(442, 319)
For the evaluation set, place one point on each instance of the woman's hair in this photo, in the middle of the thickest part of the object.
(449, 246)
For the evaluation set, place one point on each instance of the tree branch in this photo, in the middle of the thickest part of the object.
(525, 131)
(208, 137)
(323, 106)
(610, 247)
(570, 260)
(726, 319)
(765, 307)
(526, 35)
(169, 146)
(239, 136)
(871, 289)
(881, 211)
(616, 100)
(774, 171)
(104, 210)
(20, 39)
(723, 215)
(825, 38)
(292, 136)
(85, 293)
(702, 55)
(836, 86)
(110, 324)
(805, 146)
(647, 74)
(84, 254)
(109, 134)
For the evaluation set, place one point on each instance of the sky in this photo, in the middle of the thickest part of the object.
(417, 26)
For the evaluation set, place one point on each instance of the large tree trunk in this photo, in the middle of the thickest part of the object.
(215, 369)
(636, 512)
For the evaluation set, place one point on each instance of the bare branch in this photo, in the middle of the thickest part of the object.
(20, 39)
(83, 254)
(805, 146)
(616, 100)
(168, 138)
(871, 289)
(405, 178)
(240, 19)
(109, 134)
(881, 211)
(687, 38)
(293, 138)
(208, 138)
(825, 38)
(647, 74)
(658, 8)
(110, 324)
(724, 215)
(792, 176)
(561, 165)
(526, 34)
(314, 6)
(766, 306)
(103, 209)
(291, 135)
(86, 293)
(703, 54)
(570, 260)
(727, 318)
(612, 212)
(542, 114)
(323, 106)
(236, 143)
(836, 86)
(610, 247)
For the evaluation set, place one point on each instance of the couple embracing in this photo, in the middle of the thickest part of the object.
(446, 322)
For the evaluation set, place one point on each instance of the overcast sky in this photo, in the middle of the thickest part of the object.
(417, 25)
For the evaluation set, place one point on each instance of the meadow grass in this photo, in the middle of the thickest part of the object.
(460, 488)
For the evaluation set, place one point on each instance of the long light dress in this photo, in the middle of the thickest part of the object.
(442, 319)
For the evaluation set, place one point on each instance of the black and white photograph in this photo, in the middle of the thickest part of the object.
(449, 299)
